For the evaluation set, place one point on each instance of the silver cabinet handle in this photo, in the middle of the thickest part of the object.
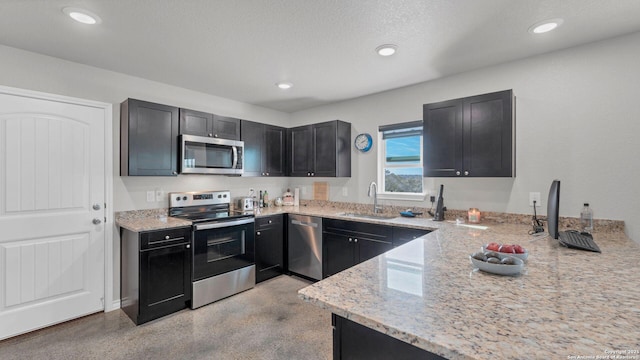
(350, 239)
(210, 135)
(215, 135)
(270, 221)
(308, 174)
(458, 173)
(96, 221)
(466, 173)
(96, 206)
(355, 240)
(267, 174)
(188, 246)
(258, 233)
(313, 174)
(174, 172)
(167, 237)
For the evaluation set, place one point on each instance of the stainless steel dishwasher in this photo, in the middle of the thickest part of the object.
(305, 245)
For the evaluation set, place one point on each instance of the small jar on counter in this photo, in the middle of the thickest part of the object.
(474, 216)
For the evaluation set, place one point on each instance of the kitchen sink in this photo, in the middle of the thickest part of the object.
(368, 216)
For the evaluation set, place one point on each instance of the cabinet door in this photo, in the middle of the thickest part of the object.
(273, 155)
(149, 139)
(368, 248)
(324, 155)
(165, 281)
(300, 150)
(195, 122)
(442, 138)
(253, 137)
(338, 253)
(269, 247)
(225, 127)
(488, 140)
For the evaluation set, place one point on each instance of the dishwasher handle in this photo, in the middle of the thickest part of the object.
(309, 224)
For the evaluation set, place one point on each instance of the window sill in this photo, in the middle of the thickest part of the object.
(402, 196)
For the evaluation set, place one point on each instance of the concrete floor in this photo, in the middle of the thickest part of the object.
(266, 322)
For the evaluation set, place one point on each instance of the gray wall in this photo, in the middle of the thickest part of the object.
(577, 121)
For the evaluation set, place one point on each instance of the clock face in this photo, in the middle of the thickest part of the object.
(363, 142)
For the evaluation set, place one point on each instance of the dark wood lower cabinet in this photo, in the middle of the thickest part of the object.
(354, 341)
(269, 247)
(348, 243)
(155, 273)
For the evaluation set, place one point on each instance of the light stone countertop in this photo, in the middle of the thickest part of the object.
(427, 293)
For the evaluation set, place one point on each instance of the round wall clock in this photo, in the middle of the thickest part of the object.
(363, 142)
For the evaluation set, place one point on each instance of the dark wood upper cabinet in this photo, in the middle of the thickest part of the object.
(148, 139)
(322, 149)
(472, 137)
(199, 123)
(264, 149)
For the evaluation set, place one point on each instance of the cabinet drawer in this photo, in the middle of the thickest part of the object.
(358, 229)
(404, 235)
(155, 239)
(269, 221)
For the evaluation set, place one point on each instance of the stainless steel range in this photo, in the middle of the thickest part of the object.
(223, 245)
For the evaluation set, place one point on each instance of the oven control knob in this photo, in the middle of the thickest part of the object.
(184, 198)
(178, 198)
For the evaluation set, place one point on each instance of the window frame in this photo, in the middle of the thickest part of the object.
(381, 162)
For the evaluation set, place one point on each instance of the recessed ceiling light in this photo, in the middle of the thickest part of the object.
(386, 50)
(545, 26)
(82, 16)
(284, 85)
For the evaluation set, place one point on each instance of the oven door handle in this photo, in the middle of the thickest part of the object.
(235, 157)
(224, 224)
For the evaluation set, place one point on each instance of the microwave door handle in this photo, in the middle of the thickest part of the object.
(235, 156)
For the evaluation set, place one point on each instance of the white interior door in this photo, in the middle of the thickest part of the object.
(52, 187)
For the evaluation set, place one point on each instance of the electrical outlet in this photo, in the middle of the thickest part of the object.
(159, 195)
(534, 196)
(345, 191)
(151, 196)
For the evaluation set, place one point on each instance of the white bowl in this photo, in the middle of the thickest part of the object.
(499, 269)
(522, 256)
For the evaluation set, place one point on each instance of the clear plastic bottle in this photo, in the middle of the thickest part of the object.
(265, 198)
(586, 218)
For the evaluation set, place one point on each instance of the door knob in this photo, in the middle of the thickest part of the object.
(96, 206)
(96, 221)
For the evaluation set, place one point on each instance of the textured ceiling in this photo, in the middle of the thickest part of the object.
(239, 49)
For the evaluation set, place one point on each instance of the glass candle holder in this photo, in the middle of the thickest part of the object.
(474, 216)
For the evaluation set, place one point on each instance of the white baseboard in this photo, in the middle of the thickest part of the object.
(115, 305)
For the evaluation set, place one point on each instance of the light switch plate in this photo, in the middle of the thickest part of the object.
(345, 191)
(159, 195)
(151, 196)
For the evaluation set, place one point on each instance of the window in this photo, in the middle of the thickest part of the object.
(400, 161)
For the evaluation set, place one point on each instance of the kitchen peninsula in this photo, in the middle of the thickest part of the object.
(567, 303)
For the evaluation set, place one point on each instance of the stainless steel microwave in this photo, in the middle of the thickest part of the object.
(205, 155)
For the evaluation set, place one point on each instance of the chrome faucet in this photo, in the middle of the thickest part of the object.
(373, 190)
